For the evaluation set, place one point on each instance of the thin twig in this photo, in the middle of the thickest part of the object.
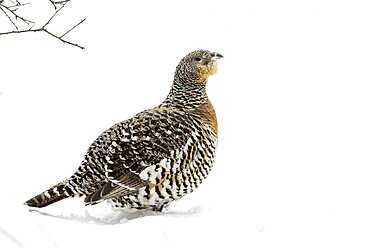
(11, 11)
(72, 28)
(64, 41)
(51, 18)
(16, 15)
(62, 2)
(10, 19)
(55, 3)
(18, 5)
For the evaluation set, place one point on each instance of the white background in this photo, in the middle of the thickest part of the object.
(291, 95)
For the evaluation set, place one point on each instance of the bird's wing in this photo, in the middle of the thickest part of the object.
(123, 185)
(136, 144)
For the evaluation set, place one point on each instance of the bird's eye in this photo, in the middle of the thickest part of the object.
(197, 59)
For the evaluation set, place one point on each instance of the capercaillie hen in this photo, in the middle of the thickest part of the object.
(156, 157)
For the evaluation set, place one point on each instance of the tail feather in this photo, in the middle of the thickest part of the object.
(56, 193)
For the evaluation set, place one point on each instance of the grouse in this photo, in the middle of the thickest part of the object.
(156, 157)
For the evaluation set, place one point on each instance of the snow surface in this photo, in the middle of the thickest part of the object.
(292, 98)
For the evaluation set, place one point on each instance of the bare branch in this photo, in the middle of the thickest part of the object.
(43, 28)
(46, 31)
(21, 31)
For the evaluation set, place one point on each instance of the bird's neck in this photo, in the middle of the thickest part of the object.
(192, 97)
(186, 95)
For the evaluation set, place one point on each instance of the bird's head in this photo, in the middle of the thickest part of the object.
(197, 66)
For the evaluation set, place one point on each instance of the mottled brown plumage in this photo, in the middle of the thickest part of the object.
(156, 157)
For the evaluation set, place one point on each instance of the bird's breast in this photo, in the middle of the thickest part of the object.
(207, 114)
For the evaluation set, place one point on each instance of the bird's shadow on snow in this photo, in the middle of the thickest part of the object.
(114, 217)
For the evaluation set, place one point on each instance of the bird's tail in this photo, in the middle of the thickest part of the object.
(56, 193)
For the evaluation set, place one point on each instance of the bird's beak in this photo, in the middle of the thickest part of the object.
(216, 56)
(213, 64)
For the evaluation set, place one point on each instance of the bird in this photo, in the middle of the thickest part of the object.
(156, 157)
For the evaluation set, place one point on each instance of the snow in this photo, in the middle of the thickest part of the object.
(292, 99)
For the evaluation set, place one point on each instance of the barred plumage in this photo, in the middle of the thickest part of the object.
(156, 157)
